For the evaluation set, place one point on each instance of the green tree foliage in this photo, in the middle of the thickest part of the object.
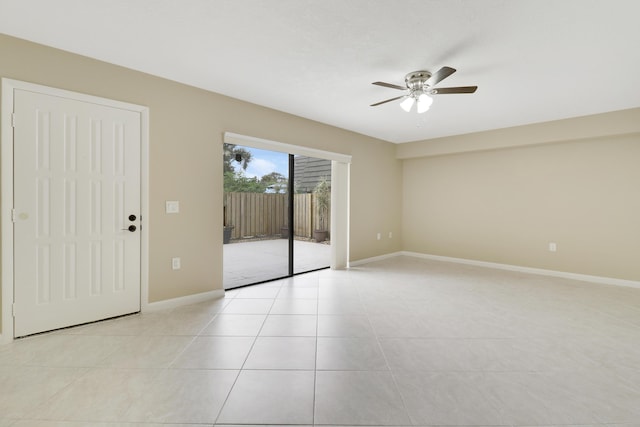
(323, 198)
(236, 156)
(275, 181)
(237, 182)
(235, 162)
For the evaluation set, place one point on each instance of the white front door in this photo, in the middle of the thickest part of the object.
(76, 193)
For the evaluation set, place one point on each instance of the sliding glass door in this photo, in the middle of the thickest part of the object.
(311, 213)
(276, 215)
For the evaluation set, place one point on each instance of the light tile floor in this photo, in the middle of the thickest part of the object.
(397, 342)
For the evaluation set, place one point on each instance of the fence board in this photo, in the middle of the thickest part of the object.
(264, 214)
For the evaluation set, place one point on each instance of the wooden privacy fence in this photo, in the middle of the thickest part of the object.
(265, 214)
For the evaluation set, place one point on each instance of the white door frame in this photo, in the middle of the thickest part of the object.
(6, 190)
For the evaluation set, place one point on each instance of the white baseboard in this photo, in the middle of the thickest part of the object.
(6, 338)
(374, 259)
(531, 270)
(180, 301)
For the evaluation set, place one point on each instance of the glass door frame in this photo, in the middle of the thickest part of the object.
(339, 194)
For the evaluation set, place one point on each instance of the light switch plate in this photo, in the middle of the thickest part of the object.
(172, 206)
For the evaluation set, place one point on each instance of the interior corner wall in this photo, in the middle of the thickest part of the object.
(186, 130)
(506, 206)
(375, 201)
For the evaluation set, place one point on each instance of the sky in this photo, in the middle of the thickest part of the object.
(264, 162)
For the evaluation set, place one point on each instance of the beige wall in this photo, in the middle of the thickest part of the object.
(598, 125)
(506, 205)
(186, 131)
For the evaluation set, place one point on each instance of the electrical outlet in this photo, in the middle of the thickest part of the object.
(553, 247)
(175, 263)
(390, 235)
(379, 236)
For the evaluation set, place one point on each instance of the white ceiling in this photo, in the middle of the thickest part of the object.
(533, 60)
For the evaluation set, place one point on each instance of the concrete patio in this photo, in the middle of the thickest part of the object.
(256, 261)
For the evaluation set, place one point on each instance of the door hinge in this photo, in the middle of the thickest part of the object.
(13, 215)
(13, 309)
(13, 119)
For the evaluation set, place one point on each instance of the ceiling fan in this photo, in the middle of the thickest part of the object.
(419, 85)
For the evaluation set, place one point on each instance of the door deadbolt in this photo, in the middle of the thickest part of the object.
(132, 217)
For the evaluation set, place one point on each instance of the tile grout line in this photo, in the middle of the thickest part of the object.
(235, 381)
(315, 360)
(393, 377)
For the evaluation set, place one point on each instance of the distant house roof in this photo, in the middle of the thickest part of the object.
(309, 171)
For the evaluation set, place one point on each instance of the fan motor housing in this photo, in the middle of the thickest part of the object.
(416, 79)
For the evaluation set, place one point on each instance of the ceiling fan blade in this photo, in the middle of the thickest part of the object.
(387, 100)
(460, 89)
(392, 86)
(440, 75)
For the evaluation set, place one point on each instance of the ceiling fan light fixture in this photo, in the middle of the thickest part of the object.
(424, 102)
(407, 104)
(419, 85)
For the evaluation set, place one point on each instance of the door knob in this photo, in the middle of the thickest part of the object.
(131, 228)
